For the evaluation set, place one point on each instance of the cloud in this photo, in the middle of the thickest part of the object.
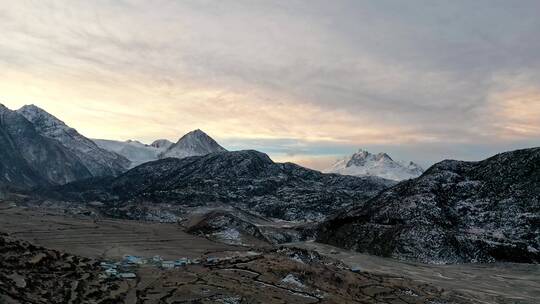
(303, 78)
(513, 111)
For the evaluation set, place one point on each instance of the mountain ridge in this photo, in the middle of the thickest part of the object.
(30, 159)
(98, 161)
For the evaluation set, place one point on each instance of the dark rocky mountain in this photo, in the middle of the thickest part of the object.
(249, 180)
(194, 143)
(28, 159)
(455, 212)
(98, 161)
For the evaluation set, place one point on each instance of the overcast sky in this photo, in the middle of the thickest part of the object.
(305, 81)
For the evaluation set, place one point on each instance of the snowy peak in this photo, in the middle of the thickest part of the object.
(43, 121)
(194, 143)
(364, 163)
(28, 158)
(98, 161)
(363, 157)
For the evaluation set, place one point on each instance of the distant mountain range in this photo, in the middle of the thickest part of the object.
(194, 143)
(455, 212)
(363, 163)
(39, 149)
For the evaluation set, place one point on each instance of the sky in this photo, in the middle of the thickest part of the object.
(304, 81)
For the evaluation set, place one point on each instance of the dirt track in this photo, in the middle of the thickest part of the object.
(517, 283)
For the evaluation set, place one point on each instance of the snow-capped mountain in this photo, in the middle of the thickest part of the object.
(137, 152)
(363, 163)
(29, 159)
(98, 161)
(194, 143)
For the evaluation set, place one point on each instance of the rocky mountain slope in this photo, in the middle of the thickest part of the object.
(98, 161)
(455, 212)
(29, 159)
(363, 163)
(194, 143)
(249, 180)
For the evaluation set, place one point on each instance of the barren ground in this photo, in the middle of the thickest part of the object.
(107, 238)
(245, 278)
(491, 283)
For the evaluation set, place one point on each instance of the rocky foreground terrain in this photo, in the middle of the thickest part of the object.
(456, 212)
(248, 180)
(241, 274)
(31, 274)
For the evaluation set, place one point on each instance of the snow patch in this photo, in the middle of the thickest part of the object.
(292, 280)
(229, 235)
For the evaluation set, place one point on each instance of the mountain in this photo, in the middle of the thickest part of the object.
(28, 159)
(162, 144)
(137, 152)
(98, 161)
(455, 212)
(248, 180)
(194, 143)
(363, 163)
